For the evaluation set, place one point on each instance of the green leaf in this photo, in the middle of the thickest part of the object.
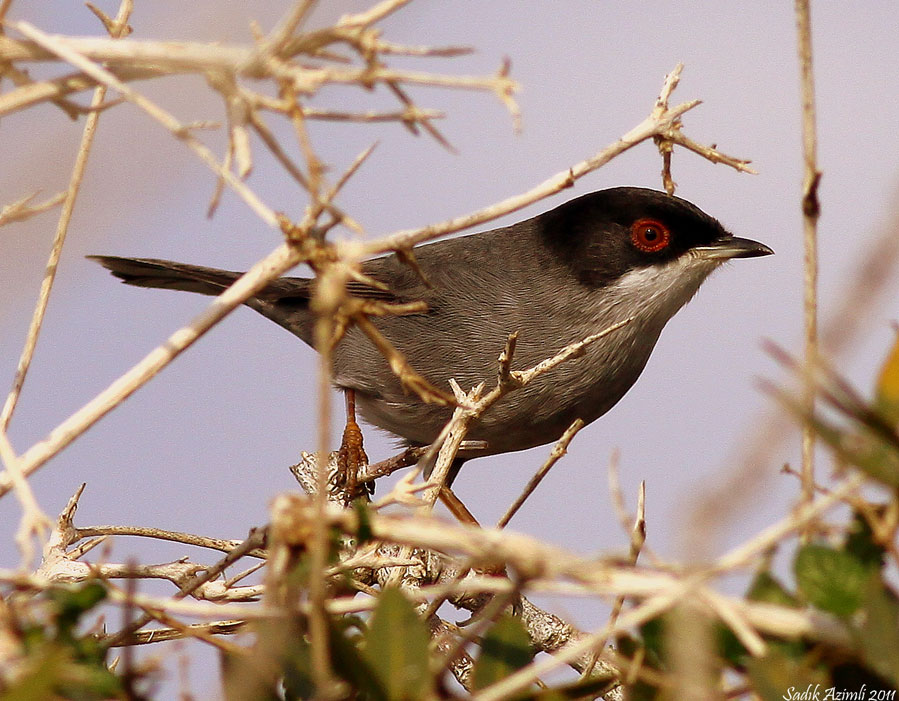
(887, 394)
(505, 649)
(294, 650)
(396, 648)
(363, 513)
(74, 602)
(730, 647)
(766, 588)
(879, 631)
(297, 681)
(628, 647)
(52, 673)
(348, 656)
(41, 679)
(84, 681)
(776, 677)
(830, 579)
(861, 545)
(653, 633)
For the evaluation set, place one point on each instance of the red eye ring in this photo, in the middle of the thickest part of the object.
(650, 235)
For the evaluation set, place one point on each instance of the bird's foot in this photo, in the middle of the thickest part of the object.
(351, 458)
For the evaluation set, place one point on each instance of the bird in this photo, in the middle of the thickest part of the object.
(606, 257)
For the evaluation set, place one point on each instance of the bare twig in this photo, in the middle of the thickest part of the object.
(408, 376)
(411, 115)
(386, 47)
(4, 8)
(374, 14)
(160, 635)
(637, 538)
(194, 57)
(322, 673)
(649, 127)
(65, 51)
(736, 620)
(274, 44)
(410, 456)
(253, 541)
(558, 452)
(118, 27)
(34, 522)
(21, 210)
(810, 211)
(161, 534)
(671, 135)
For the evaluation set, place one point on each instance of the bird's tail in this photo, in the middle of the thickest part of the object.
(167, 274)
(285, 300)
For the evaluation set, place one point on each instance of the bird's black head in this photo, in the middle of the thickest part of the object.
(606, 234)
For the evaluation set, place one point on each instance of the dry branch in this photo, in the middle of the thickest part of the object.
(810, 212)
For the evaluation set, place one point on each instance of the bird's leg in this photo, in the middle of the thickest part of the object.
(351, 458)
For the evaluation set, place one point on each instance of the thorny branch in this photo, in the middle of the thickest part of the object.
(539, 568)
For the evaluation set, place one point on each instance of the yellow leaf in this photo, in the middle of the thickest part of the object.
(888, 386)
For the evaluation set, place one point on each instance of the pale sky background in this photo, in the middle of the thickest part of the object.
(205, 446)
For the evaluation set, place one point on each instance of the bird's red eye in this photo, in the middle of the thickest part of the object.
(650, 235)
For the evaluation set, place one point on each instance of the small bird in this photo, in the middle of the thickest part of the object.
(557, 278)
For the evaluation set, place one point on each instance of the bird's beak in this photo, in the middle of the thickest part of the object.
(733, 247)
